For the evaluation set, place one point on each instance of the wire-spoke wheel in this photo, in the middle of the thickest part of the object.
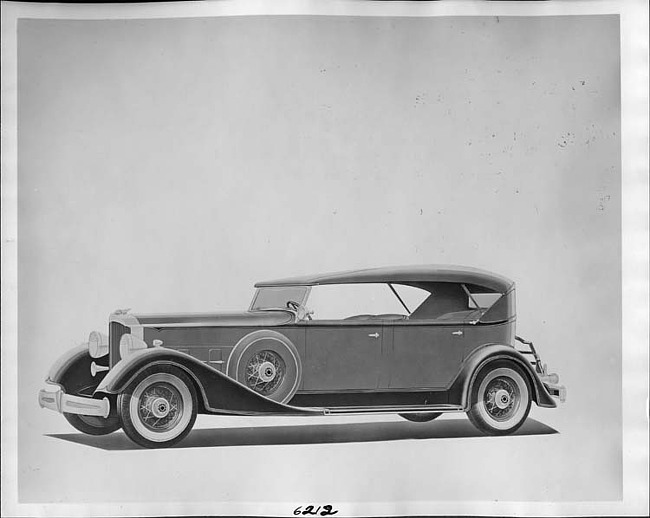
(500, 399)
(421, 417)
(265, 372)
(266, 362)
(159, 407)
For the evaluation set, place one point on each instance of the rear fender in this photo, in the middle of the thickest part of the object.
(460, 391)
(220, 394)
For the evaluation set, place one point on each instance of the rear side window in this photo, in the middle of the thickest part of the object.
(501, 310)
(483, 300)
(445, 301)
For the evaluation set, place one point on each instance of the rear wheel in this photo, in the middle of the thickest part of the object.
(500, 399)
(159, 407)
(93, 425)
(423, 417)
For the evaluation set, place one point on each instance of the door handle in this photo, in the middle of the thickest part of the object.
(374, 335)
(457, 333)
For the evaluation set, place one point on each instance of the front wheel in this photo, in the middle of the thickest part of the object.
(500, 399)
(159, 407)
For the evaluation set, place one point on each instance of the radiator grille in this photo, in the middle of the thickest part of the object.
(115, 332)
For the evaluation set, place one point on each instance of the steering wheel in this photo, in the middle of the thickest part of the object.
(298, 309)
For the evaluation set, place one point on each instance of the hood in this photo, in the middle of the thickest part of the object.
(243, 318)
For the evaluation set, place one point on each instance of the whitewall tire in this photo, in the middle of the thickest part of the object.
(159, 407)
(500, 399)
(266, 362)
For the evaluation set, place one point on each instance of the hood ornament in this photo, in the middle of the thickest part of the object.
(122, 311)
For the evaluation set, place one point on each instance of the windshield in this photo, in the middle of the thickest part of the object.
(277, 297)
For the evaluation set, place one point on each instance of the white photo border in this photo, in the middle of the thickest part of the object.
(634, 113)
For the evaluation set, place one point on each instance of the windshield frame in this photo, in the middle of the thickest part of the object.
(307, 291)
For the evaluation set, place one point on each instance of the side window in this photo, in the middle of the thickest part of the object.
(502, 309)
(411, 296)
(483, 300)
(354, 302)
(446, 302)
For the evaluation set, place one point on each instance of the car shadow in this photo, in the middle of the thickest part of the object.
(310, 434)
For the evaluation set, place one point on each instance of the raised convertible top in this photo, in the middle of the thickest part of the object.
(397, 274)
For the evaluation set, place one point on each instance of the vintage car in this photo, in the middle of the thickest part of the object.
(415, 341)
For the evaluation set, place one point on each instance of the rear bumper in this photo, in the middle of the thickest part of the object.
(61, 402)
(557, 391)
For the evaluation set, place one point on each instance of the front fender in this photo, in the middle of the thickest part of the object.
(459, 392)
(220, 394)
(73, 373)
(63, 363)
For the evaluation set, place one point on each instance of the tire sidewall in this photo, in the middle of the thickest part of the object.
(129, 400)
(259, 341)
(479, 415)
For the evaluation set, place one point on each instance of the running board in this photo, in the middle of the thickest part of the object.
(392, 409)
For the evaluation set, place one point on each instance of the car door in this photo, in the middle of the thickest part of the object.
(342, 355)
(425, 355)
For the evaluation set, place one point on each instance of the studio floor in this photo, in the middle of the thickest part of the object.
(310, 460)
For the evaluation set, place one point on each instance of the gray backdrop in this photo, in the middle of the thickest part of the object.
(166, 165)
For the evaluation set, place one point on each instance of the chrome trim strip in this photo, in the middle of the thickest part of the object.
(393, 409)
(61, 402)
(430, 322)
(198, 324)
(373, 391)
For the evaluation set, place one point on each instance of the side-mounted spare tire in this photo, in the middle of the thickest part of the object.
(268, 363)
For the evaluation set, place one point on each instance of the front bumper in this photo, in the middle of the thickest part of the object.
(558, 391)
(61, 402)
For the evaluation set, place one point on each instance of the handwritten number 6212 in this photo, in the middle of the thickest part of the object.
(327, 510)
